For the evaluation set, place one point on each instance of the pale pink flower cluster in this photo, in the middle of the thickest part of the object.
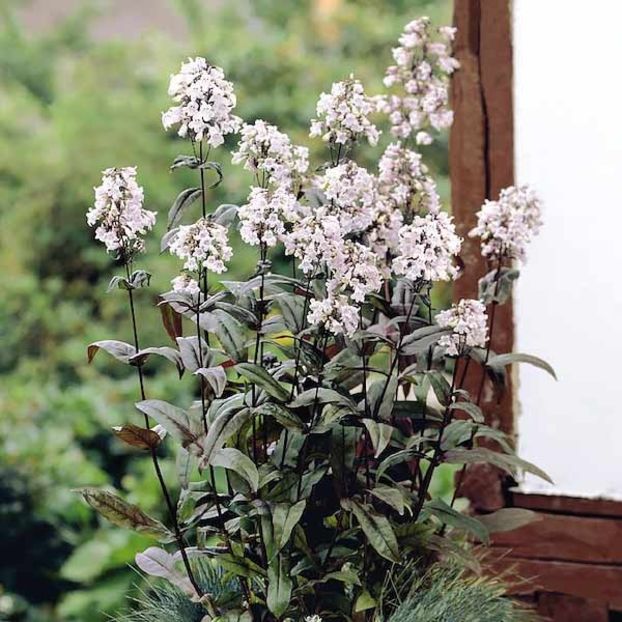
(343, 114)
(205, 101)
(383, 234)
(185, 284)
(313, 239)
(335, 313)
(422, 68)
(354, 270)
(468, 322)
(264, 216)
(350, 192)
(118, 213)
(202, 245)
(508, 225)
(269, 153)
(405, 180)
(427, 248)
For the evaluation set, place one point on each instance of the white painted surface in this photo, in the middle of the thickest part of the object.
(568, 111)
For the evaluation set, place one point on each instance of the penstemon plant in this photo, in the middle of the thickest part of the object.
(327, 397)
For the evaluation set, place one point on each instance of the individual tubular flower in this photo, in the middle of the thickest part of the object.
(405, 180)
(203, 245)
(314, 239)
(343, 114)
(205, 101)
(467, 321)
(265, 151)
(335, 313)
(185, 284)
(506, 226)
(350, 191)
(427, 247)
(118, 213)
(354, 269)
(264, 216)
(422, 68)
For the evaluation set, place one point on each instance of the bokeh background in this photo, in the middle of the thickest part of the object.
(82, 86)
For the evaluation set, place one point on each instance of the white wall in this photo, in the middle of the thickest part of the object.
(568, 111)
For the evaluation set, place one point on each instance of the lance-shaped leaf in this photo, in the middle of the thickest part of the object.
(119, 349)
(396, 458)
(173, 419)
(157, 562)
(166, 352)
(122, 513)
(508, 519)
(292, 308)
(499, 361)
(446, 514)
(382, 397)
(508, 463)
(171, 320)
(393, 496)
(376, 528)
(284, 518)
(135, 436)
(234, 460)
(471, 409)
(379, 434)
(183, 201)
(322, 396)
(261, 378)
(496, 286)
(240, 566)
(215, 377)
(279, 586)
(225, 214)
(422, 339)
(282, 414)
(190, 355)
(230, 334)
(223, 427)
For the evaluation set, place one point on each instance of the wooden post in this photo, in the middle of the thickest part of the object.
(481, 160)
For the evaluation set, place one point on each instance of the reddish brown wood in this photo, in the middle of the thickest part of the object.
(570, 538)
(568, 505)
(481, 156)
(598, 582)
(564, 608)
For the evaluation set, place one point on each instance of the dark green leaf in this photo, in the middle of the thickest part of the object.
(279, 586)
(501, 360)
(119, 349)
(471, 409)
(223, 427)
(284, 518)
(166, 352)
(508, 519)
(235, 460)
(215, 377)
(174, 420)
(225, 214)
(376, 528)
(183, 201)
(509, 463)
(230, 334)
(379, 433)
(446, 514)
(261, 378)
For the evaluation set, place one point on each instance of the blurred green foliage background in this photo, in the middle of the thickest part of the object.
(71, 105)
